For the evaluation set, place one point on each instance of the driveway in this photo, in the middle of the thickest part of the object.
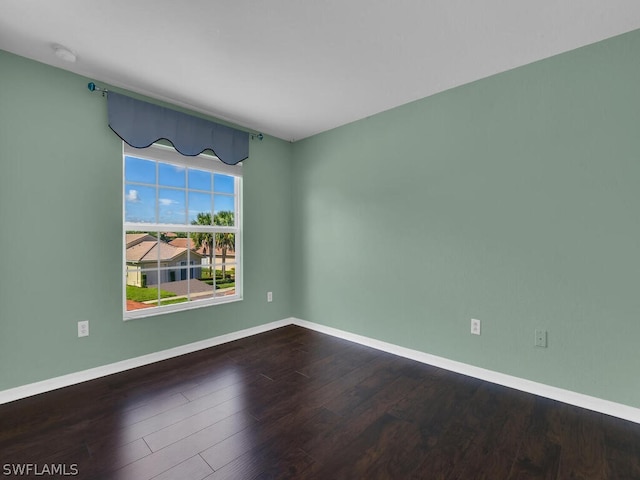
(181, 287)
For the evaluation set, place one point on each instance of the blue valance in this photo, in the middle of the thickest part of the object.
(140, 124)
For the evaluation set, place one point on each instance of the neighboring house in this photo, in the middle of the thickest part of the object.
(143, 253)
(186, 243)
(204, 251)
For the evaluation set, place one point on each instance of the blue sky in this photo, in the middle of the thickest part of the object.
(206, 191)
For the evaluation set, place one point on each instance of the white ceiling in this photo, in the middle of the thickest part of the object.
(293, 68)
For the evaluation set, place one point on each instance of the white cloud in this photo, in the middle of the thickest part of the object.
(133, 196)
(166, 202)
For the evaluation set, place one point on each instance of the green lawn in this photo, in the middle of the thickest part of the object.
(139, 294)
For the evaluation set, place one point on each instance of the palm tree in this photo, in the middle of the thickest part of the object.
(224, 241)
(205, 239)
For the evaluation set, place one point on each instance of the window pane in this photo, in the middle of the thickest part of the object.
(182, 270)
(174, 283)
(184, 283)
(202, 244)
(138, 170)
(224, 210)
(223, 183)
(225, 280)
(225, 248)
(140, 204)
(207, 272)
(200, 208)
(141, 250)
(138, 297)
(225, 268)
(171, 175)
(171, 206)
(201, 285)
(142, 287)
(199, 180)
(173, 248)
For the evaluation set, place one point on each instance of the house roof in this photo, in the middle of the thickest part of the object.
(146, 248)
(134, 238)
(186, 243)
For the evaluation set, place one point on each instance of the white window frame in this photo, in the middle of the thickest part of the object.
(166, 154)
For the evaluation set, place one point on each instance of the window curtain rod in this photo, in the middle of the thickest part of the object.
(141, 124)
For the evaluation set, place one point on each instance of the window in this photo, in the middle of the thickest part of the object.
(182, 231)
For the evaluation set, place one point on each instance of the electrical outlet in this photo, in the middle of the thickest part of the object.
(269, 296)
(541, 339)
(475, 326)
(83, 328)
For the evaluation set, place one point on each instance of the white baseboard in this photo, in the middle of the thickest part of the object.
(566, 396)
(572, 398)
(31, 389)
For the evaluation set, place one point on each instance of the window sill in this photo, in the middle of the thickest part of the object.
(156, 311)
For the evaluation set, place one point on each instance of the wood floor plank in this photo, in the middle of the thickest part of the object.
(622, 445)
(583, 454)
(441, 415)
(404, 457)
(234, 446)
(97, 464)
(266, 462)
(510, 412)
(184, 412)
(345, 381)
(292, 429)
(252, 349)
(152, 409)
(360, 457)
(538, 455)
(296, 390)
(370, 386)
(129, 453)
(401, 452)
(324, 445)
(261, 401)
(193, 424)
(162, 460)
(194, 468)
(218, 380)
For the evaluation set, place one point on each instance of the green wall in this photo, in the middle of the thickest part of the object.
(513, 199)
(61, 234)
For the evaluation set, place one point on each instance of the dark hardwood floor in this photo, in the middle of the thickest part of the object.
(294, 403)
